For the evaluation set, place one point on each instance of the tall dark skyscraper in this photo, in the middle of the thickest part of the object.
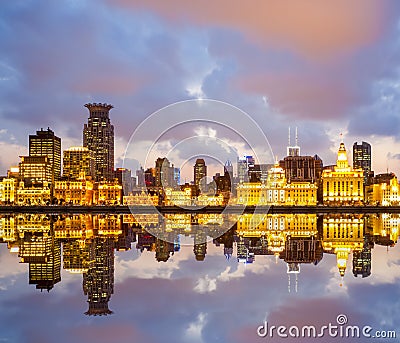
(98, 136)
(46, 143)
(200, 171)
(362, 158)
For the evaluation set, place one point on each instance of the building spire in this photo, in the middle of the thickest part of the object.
(296, 138)
(289, 137)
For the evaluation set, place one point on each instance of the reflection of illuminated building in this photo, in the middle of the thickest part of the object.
(107, 225)
(74, 227)
(200, 244)
(385, 228)
(98, 281)
(243, 253)
(342, 235)
(7, 229)
(76, 256)
(343, 184)
(362, 260)
(177, 222)
(46, 275)
(146, 241)
(163, 250)
(210, 219)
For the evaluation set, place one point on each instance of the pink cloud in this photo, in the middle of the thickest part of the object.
(316, 29)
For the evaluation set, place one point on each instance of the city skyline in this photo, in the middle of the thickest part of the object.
(302, 70)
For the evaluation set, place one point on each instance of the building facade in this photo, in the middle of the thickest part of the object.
(343, 184)
(78, 160)
(46, 143)
(362, 158)
(98, 137)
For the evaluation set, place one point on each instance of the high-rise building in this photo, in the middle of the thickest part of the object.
(78, 160)
(46, 143)
(124, 176)
(98, 137)
(200, 172)
(362, 158)
(36, 170)
(164, 173)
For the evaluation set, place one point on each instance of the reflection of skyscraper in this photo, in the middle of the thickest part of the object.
(98, 136)
(200, 244)
(46, 275)
(362, 158)
(46, 143)
(98, 281)
(75, 256)
(362, 260)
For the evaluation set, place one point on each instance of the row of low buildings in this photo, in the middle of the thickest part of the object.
(335, 185)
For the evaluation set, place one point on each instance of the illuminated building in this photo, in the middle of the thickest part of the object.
(163, 248)
(13, 172)
(141, 198)
(210, 200)
(8, 190)
(98, 281)
(108, 193)
(362, 158)
(385, 193)
(46, 143)
(33, 195)
(301, 193)
(178, 197)
(35, 170)
(276, 183)
(343, 184)
(78, 160)
(76, 256)
(77, 192)
(200, 174)
(251, 193)
(341, 236)
(276, 191)
(98, 137)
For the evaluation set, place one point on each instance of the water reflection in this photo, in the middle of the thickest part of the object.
(86, 244)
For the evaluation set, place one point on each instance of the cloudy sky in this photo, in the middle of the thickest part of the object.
(326, 68)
